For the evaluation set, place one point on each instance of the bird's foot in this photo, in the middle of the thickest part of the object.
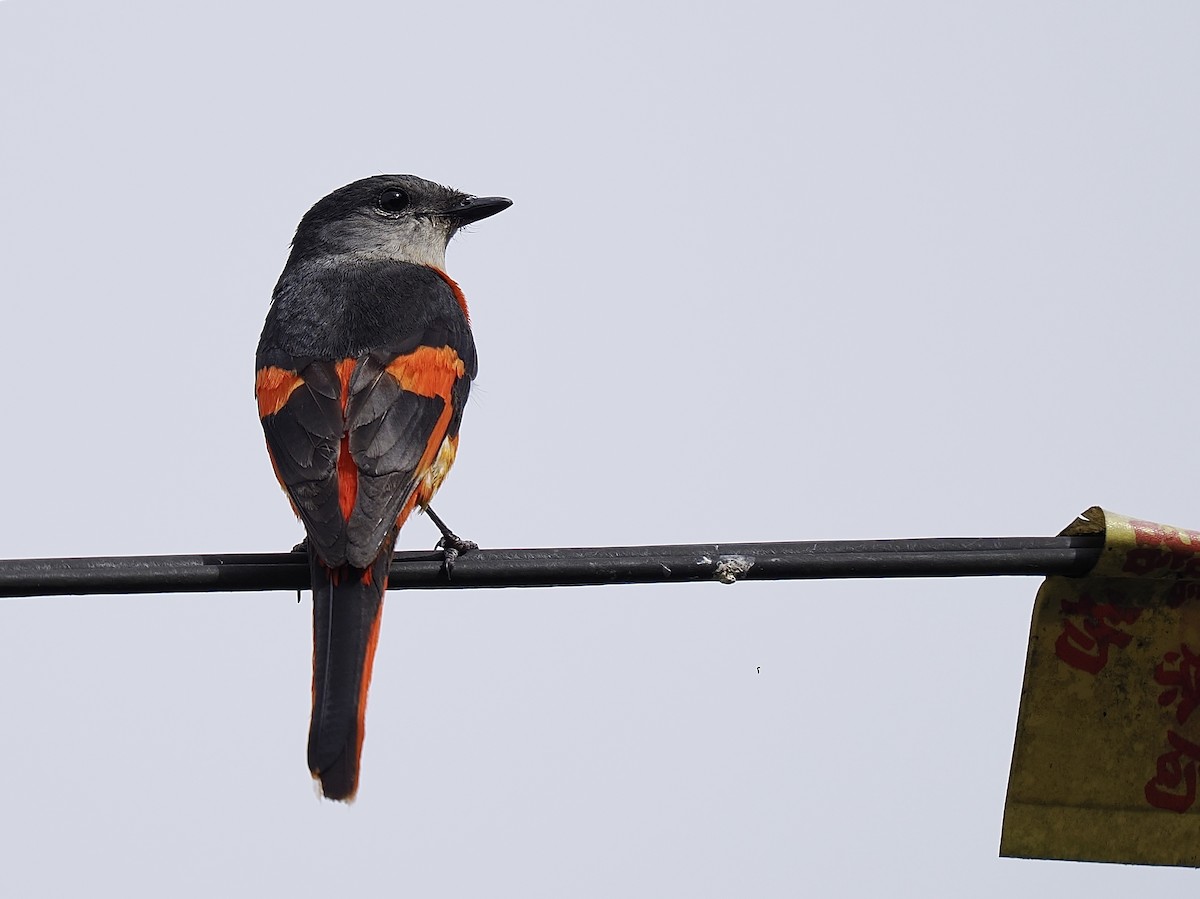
(301, 547)
(451, 545)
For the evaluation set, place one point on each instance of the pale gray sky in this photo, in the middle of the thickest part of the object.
(774, 271)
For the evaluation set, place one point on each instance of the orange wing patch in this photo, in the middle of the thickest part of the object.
(344, 370)
(347, 473)
(346, 469)
(427, 371)
(273, 387)
(430, 372)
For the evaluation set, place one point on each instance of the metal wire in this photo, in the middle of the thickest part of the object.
(560, 567)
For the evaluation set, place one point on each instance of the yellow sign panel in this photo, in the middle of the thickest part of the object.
(1106, 764)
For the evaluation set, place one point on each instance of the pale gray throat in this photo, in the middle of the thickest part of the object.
(420, 241)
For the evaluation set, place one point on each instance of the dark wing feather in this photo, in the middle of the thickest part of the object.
(390, 429)
(303, 439)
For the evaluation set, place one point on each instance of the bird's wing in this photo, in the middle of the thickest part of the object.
(402, 420)
(299, 404)
(355, 442)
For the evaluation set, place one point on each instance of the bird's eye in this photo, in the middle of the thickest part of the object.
(392, 200)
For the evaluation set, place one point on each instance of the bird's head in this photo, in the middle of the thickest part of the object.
(398, 217)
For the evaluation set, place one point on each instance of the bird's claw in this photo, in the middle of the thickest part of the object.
(301, 547)
(453, 546)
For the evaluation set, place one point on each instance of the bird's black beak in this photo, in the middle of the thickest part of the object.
(472, 209)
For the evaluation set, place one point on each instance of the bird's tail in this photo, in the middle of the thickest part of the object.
(347, 608)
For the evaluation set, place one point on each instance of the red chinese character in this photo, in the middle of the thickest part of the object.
(1175, 769)
(1162, 547)
(1179, 672)
(1085, 645)
(1148, 533)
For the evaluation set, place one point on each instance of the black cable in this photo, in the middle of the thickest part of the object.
(726, 562)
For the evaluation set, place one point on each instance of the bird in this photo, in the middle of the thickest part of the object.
(362, 371)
